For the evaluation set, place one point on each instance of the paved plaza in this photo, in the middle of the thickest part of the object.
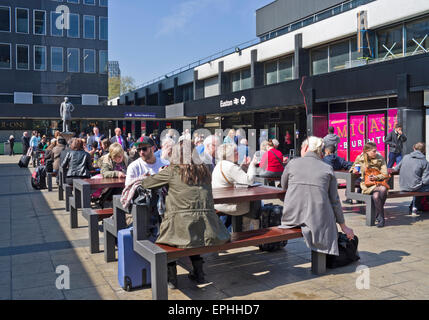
(35, 238)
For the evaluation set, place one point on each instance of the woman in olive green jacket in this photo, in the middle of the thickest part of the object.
(371, 159)
(190, 220)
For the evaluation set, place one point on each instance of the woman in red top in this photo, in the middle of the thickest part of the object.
(271, 164)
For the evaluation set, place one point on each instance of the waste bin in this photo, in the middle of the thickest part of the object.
(7, 148)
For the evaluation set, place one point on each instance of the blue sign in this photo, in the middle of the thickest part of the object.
(139, 115)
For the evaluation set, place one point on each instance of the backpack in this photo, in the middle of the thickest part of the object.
(38, 178)
(271, 216)
(348, 252)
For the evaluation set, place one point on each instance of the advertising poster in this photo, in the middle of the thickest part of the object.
(357, 135)
(392, 119)
(376, 131)
(339, 122)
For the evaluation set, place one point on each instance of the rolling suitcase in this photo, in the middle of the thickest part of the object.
(133, 270)
(271, 216)
(25, 159)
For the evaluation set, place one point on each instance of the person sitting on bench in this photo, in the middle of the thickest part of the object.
(371, 159)
(77, 162)
(312, 201)
(336, 162)
(190, 220)
(414, 174)
(227, 173)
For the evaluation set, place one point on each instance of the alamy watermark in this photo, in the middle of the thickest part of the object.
(63, 280)
(363, 280)
(63, 20)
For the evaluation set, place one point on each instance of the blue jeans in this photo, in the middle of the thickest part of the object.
(394, 157)
(418, 200)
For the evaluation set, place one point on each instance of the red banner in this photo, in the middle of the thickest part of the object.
(377, 130)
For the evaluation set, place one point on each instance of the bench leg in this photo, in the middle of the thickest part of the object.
(318, 262)
(109, 246)
(73, 213)
(60, 193)
(94, 240)
(158, 269)
(370, 212)
(68, 191)
(49, 179)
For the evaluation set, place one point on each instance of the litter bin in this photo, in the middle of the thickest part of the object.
(6, 148)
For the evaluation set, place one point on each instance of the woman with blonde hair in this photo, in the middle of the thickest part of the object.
(115, 163)
(374, 181)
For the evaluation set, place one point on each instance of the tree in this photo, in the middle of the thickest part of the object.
(114, 87)
(127, 84)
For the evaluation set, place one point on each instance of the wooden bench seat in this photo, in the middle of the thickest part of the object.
(159, 255)
(370, 207)
(94, 216)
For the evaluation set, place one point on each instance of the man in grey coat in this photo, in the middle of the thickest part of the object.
(414, 173)
(312, 200)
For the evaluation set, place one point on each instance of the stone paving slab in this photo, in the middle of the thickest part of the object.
(35, 238)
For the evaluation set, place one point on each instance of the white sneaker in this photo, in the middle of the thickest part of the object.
(414, 211)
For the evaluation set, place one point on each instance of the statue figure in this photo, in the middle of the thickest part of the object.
(65, 112)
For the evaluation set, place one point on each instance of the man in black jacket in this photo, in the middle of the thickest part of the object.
(25, 142)
(395, 140)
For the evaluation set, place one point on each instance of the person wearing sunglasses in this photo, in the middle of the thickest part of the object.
(147, 164)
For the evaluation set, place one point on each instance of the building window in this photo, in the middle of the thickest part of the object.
(57, 59)
(103, 3)
(241, 80)
(279, 70)
(73, 1)
(89, 27)
(54, 30)
(103, 68)
(103, 28)
(319, 60)
(5, 19)
(73, 32)
(22, 20)
(211, 87)
(39, 26)
(39, 58)
(73, 58)
(339, 56)
(22, 57)
(89, 61)
(417, 36)
(89, 2)
(390, 43)
(5, 56)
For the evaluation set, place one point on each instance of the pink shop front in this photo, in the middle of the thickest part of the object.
(361, 121)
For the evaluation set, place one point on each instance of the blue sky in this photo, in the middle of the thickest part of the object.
(150, 38)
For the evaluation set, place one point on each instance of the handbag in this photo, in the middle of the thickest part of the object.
(375, 172)
(348, 252)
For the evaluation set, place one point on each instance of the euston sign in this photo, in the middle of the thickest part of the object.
(139, 115)
(233, 102)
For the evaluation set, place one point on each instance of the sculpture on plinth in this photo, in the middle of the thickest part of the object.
(66, 109)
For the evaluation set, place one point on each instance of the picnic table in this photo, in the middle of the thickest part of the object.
(82, 190)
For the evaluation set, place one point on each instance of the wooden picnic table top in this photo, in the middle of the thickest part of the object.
(101, 183)
(234, 195)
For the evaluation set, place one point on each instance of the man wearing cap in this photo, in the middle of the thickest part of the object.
(146, 164)
(119, 138)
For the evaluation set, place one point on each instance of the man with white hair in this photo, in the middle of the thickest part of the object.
(312, 200)
(208, 155)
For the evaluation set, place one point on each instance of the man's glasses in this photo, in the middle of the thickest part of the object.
(143, 149)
